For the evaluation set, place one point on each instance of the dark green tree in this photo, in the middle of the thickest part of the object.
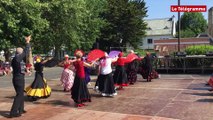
(125, 23)
(19, 18)
(74, 24)
(192, 24)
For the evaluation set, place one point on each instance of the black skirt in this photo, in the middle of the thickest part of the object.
(106, 84)
(39, 87)
(79, 91)
(132, 76)
(120, 76)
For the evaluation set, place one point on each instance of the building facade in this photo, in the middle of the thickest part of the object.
(210, 21)
(158, 29)
(166, 47)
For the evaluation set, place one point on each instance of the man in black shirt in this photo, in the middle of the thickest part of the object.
(148, 66)
(18, 66)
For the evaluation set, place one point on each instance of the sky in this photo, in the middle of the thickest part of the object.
(161, 8)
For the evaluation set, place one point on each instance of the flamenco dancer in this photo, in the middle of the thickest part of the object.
(148, 66)
(79, 91)
(68, 74)
(39, 88)
(210, 82)
(120, 75)
(132, 69)
(105, 79)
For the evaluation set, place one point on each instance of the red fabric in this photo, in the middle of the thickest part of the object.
(121, 61)
(120, 54)
(211, 81)
(79, 66)
(66, 64)
(130, 57)
(95, 54)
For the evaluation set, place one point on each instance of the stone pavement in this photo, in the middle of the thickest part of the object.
(171, 97)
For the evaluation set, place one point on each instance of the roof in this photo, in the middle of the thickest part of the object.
(162, 26)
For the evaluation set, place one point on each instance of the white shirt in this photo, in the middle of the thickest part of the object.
(106, 66)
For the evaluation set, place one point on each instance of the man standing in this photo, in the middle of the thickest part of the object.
(148, 66)
(18, 66)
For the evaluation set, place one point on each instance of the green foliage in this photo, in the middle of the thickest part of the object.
(19, 18)
(140, 52)
(199, 49)
(124, 23)
(74, 24)
(192, 24)
(187, 33)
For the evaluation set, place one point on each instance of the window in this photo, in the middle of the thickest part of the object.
(149, 41)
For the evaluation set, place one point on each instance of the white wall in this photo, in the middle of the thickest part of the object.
(151, 46)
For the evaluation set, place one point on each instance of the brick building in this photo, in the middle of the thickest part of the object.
(167, 46)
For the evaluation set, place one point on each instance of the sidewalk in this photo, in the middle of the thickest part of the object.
(171, 97)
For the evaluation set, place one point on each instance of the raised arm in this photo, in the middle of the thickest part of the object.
(21, 56)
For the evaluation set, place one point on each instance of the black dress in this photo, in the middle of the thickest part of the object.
(79, 91)
(39, 87)
(132, 69)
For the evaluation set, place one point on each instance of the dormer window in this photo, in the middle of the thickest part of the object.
(166, 27)
(149, 28)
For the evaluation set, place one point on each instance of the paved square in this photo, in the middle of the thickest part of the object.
(171, 97)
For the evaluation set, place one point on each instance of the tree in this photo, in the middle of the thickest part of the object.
(125, 23)
(192, 24)
(19, 18)
(73, 23)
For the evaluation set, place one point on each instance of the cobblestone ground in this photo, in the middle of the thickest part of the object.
(184, 97)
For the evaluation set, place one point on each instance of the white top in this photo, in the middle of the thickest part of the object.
(106, 66)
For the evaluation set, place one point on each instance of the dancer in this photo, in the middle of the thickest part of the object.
(148, 66)
(67, 76)
(18, 79)
(39, 88)
(79, 91)
(132, 69)
(120, 76)
(87, 71)
(210, 82)
(105, 79)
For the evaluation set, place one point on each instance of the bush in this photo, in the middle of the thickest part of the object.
(198, 49)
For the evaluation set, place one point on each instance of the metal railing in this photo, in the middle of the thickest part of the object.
(189, 64)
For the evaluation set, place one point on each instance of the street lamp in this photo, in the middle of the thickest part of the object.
(178, 27)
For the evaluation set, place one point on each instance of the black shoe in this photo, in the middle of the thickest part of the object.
(210, 89)
(14, 115)
(24, 111)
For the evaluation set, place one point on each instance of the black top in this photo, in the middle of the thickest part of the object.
(38, 67)
(18, 63)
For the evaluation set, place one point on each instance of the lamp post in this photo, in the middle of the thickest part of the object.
(178, 28)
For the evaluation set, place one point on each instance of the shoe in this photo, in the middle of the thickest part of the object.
(14, 115)
(111, 95)
(80, 105)
(104, 94)
(115, 93)
(210, 89)
(89, 84)
(24, 111)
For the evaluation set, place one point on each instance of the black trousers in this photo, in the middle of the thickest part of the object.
(18, 103)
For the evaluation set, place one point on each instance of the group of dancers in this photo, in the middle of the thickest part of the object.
(75, 77)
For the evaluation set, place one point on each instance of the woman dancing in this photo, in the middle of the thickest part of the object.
(79, 91)
(67, 76)
(105, 79)
(39, 88)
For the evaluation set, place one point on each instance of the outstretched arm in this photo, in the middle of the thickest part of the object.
(21, 56)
